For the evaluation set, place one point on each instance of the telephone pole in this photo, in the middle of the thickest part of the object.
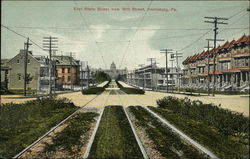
(151, 71)
(71, 81)
(166, 52)
(172, 77)
(26, 51)
(142, 65)
(49, 44)
(81, 78)
(208, 47)
(176, 55)
(215, 21)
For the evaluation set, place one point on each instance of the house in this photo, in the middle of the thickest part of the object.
(231, 67)
(37, 72)
(67, 69)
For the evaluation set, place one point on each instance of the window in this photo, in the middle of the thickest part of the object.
(28, 61)
(68, 70)
(63, 78)
(18, 61)
(247, 61)
(19, 77)
(68, 78)
(62, 70)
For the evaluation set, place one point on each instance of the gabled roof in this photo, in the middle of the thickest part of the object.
(243, 39)
(65, 60)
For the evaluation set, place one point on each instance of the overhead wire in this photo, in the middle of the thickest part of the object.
(140, 23)
(87, 27)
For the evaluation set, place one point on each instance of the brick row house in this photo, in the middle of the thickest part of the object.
(231, 67)
(67, 70)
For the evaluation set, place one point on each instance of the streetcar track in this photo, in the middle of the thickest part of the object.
(91, 140)
(139, 142)
(184, 137)
(52, 129)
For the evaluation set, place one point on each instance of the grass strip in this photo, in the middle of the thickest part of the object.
(71, 139)
(130, 90)
(223, 146)
(169, 144)
(22, 124)
(95, 90)
(114, 137)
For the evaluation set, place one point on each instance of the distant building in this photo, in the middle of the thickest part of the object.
(4, 74)
(154, 77)
(37, 71)
(67, 70)
(231, 67)
(113, 72)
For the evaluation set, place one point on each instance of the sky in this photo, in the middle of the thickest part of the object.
(124, 32)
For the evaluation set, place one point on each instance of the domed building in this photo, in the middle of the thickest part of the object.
(115, 73)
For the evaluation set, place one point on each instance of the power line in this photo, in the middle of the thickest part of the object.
(140, 23)
(86, 24)
(189, 45)
(23, 36)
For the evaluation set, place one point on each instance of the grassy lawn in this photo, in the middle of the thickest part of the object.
(224, 132)
(22, 124)
(166, 142)
(114, 137)
(71, 139)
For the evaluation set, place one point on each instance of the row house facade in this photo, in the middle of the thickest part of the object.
(231, 67)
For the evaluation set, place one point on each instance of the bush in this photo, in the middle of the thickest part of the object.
(226, 121)
(129, 90)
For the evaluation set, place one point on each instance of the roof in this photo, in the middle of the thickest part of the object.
(65, 60)
(226, 45)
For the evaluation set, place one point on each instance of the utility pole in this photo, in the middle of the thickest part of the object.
(71, 81)
(215, 22)
(208, 77)
(172, 77)
(87, 75)
(156, 79)
(176, 56)
(208, 47)
(26, 51)
(142, 65)
(49, 44)
(81, 78)
(166, 52)
(151, 71)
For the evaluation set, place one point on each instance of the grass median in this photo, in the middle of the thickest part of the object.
(114, 137)
(167, 143)
(22, 124)
(70, 141)
(224, 132)
(130, 90)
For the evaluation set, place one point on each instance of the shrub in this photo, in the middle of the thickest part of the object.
(226, 121)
